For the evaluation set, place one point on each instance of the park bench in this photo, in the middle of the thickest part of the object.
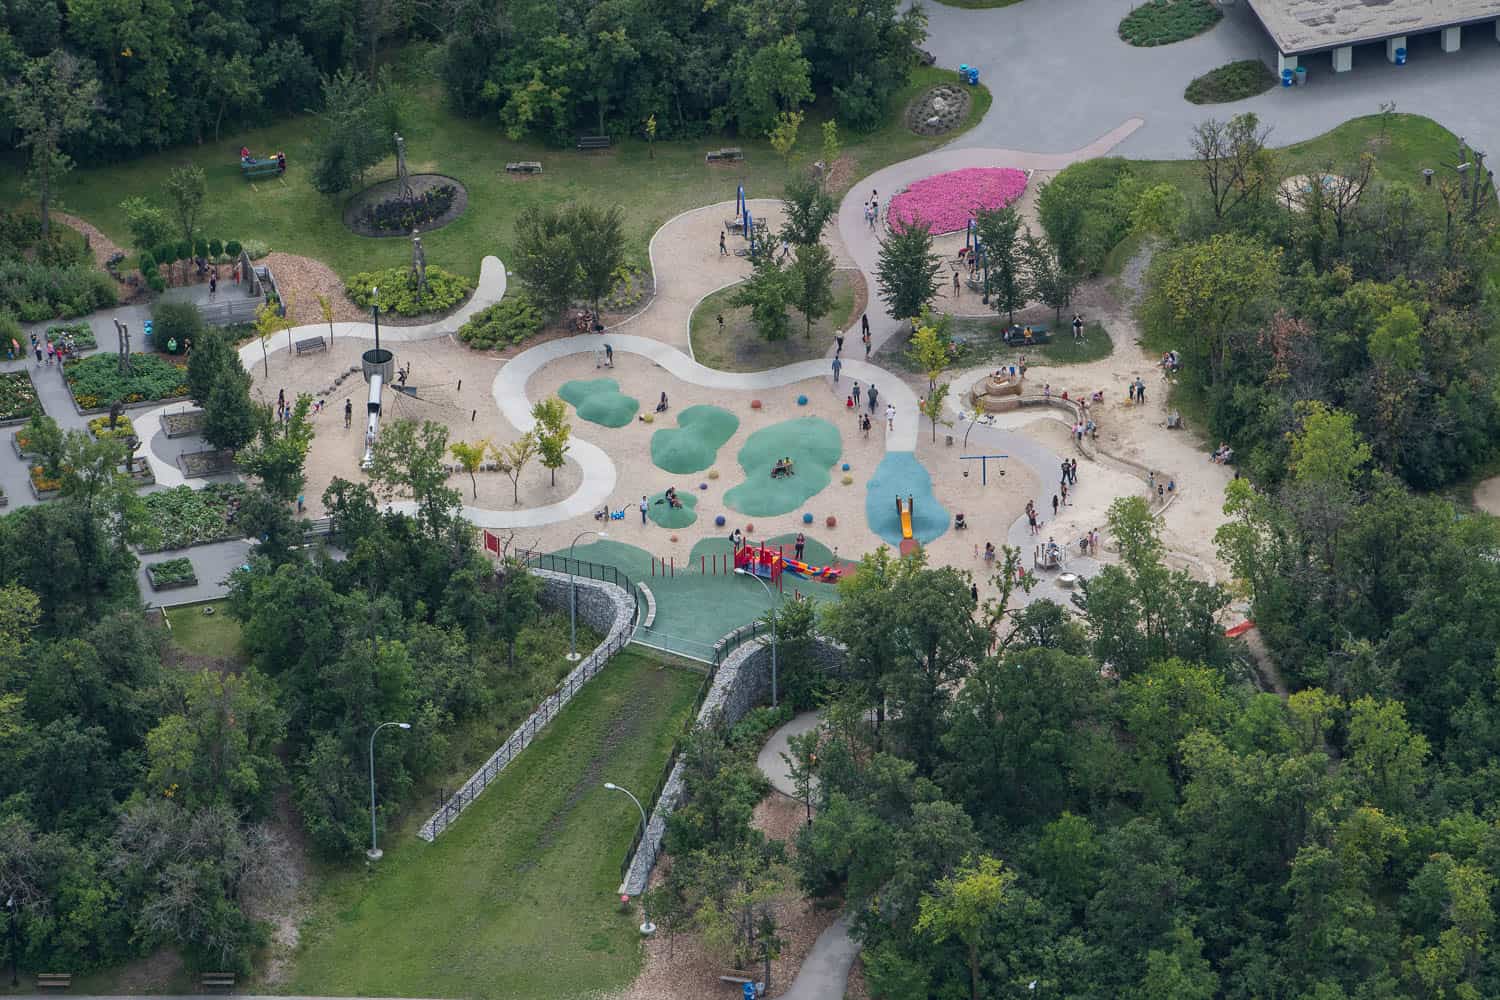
(1017, 335)
(729, 154)
(217, 980)
(260, 168)
(650, 618)
(741, 979)
(311, 344)
(524, 167)
(54, 980)
(593, 142)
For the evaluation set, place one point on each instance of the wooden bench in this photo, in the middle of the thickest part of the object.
(311, 344)
(593, 142)
(524, 167)
(217, 981)
(1017, 335)
(54, 980)
(730, 154)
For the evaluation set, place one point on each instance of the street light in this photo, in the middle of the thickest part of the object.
(10, 910)
(375, 305)
(374, 852)
(742, 571)
(647, 927)
(573, 656)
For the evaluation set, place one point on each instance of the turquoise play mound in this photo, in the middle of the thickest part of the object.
(600, 401)
(813, 445)
(693, 444)
(662, 513)
(900, 474)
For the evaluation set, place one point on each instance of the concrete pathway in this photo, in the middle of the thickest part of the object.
(1061, 75)
(212, 564)
(825, 971)
(770, 761)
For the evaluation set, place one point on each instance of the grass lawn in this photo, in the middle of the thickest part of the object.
(290, 216)
(980, 342)
(1162, 22)
(1232, 82)
(741, 349)
(517, 898)
(215, 635)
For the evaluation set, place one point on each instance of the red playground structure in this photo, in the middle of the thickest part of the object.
(769, 564)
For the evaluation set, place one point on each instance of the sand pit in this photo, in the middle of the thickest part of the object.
(694, 443)
(599, 401)
(812, 443)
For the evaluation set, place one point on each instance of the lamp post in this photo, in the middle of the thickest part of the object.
(742, 571)
(573, 597)
(374, 853)
(375, 306)
(10, 912)
(647, 927)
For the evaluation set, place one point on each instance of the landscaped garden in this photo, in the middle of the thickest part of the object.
(96, 380)
(515, 899)
(739, 348)
(944, 203)
(1162, 22)
(100, 428)
(17, 397)
(1233, 82)
(80, 335)
(171, 574)
(979, 340)
(400, 295)
(185, 517)
(508, 323)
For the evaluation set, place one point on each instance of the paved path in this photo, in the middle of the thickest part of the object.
(212, 564)
(1061, 75)
(825, 971)
(769, 760)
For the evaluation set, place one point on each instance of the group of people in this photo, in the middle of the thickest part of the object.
(52, 351)
(782, 468)
(861, 420)
(1170, 362)
(1137, 390)
(872, 209)
(1223, 454)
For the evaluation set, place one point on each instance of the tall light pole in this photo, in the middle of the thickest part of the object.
(10, 910)
(647, 927)
(573, 597)
(742, 571)
(375, 306)
(374, 853)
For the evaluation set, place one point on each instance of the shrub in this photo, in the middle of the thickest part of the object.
(81, 332)
(1234, 82)
(36, 291)
(233, 248)
(175, 323)
(184, 516)
(505, 324)
(171, 572)
(395, 215)
(96, 380)
(215, 249)
(148, 264)
(257, 248)
(99, 427)
(1162, 22)
(1085, 210)
(398, 294)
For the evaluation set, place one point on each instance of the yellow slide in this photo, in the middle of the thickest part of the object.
(906, 522)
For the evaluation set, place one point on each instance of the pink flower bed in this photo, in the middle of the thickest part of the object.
(945, 201)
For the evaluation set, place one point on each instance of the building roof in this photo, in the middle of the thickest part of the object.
(1298, 26)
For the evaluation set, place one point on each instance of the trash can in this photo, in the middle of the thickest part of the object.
(963, 69)
(1286, 78)
(1301, 76)
(973, 75)
(1401, 57)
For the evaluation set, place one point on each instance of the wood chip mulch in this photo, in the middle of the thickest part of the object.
(301, 280)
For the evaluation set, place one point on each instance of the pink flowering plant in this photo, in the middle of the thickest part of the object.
(944, 202)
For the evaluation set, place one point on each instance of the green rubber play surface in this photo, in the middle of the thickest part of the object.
(600, 401)
(813, 445)
(664, 514)
(696, 607)
(692, 445)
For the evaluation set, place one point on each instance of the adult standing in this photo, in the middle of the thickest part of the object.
(1140, 390)
(890, 416)
(857, 400)
(723, 250)
(1077, 326)
(801, 543)
(643, 508)
(1054, 505)
(348, 413)
(872, 395)
(837, 365)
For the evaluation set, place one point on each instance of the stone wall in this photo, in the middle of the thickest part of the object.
(742, 682)
(603, 606)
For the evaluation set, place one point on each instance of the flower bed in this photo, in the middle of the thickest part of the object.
(43, 485)
(398, 215)
(95, 381)
(100, 428)
(80, 333)
(183, 424)
(185, 516)
(944, 202)
(17, 397)
(171, 574)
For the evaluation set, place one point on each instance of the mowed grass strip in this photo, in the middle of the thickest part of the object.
(517, 898)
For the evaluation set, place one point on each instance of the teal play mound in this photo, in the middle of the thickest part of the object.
(692, 445)
(900, 474)
(600, 401)
(664, 514)
(813, 445)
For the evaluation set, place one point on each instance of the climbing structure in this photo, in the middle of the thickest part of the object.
(769, 564)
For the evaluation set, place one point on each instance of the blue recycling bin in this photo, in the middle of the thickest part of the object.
(1401, 56)
(1286, 78)
(146, 326)
(973, 75)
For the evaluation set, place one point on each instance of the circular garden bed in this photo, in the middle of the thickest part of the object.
(1233, 82)
(377, 210)
(939, 110)
(1162, 22)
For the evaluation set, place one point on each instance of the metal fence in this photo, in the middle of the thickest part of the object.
(603, 572)
(733, 640)
(522, 737)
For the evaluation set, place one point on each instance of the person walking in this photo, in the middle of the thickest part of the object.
(609, 352)
(870, 217)
(890, 417)
(955, 285)
(856, 396)
(838, 343)
(800, 544)
(38, 348)
(837, 365)
(864, 325)
(864, 424)
(720, 318)
(643, 508)
(1140, 390)
(867, 341)
(348, 413)
(1054, 505)
(1064, 489)
(723, 250)
(872, 395)
(213, 286)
